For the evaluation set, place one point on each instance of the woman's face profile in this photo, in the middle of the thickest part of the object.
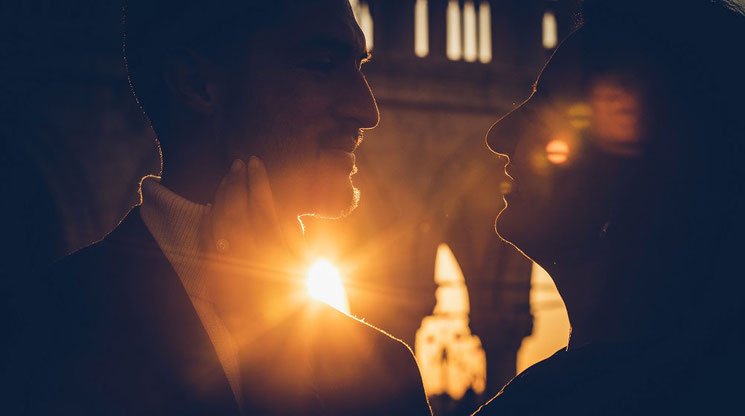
(570, 146)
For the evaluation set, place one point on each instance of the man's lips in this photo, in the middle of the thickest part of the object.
(339, 150)
(342, 139)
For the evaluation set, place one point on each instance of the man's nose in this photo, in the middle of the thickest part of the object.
(358, 104)
(503, 135)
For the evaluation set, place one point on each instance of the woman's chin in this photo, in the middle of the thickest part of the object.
(506, 227)
(518, 231)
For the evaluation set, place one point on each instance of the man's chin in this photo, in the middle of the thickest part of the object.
(336, 203)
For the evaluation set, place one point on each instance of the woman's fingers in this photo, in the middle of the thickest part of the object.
(244, 224)
(230, 211)
(235, 203)
(293, 235)
(281, 242)
(261, 202)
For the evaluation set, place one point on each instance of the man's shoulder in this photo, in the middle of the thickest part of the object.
(353, 334)
(87, 271)
(92, 283)
(357, 363)
(93, 256)
(121, 250)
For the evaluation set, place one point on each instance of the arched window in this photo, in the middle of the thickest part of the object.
(421, 28)
(470, 49)
(454, 44)
(485, 53)
(469, 31)
(550, 37)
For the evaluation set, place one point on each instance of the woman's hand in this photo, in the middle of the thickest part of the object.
(254, 259)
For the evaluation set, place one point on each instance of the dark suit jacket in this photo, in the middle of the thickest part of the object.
(119, 335)
(665, 376)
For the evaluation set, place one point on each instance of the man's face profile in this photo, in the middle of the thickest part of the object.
(299, 100)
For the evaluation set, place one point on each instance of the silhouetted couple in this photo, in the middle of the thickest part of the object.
(194, 303)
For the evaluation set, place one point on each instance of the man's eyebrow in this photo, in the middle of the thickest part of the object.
(336, 45)
(365, 57)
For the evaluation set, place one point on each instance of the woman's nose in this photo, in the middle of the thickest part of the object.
(504, 134)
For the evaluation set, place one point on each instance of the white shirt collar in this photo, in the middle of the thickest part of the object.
(176, 223)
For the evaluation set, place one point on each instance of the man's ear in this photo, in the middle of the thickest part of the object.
(192, 81)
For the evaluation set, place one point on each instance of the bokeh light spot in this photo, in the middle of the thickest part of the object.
(557, 151)
(324, 284)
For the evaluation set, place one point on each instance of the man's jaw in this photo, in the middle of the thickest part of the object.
(322, 188)
(338, 206)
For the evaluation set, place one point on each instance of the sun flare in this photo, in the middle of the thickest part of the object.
(324, 284)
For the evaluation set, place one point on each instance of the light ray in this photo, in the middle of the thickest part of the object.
(324, 284)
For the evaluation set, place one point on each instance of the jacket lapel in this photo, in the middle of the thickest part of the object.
(158, 305)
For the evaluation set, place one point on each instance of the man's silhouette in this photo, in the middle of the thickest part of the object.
(156, 318)
(627, 169)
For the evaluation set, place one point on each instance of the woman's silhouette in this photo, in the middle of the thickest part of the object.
(627, 163)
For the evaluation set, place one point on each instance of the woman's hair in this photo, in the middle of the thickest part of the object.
(692, 56)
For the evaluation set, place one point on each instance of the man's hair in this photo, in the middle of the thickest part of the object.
(155, 30)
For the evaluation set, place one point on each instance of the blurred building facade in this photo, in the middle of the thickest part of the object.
(425, 173)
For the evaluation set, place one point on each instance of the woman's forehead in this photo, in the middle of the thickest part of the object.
(579, 64)
(563, 71)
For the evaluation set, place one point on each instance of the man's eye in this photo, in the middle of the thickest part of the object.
(322, 63)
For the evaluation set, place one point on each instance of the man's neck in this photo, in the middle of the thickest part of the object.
(195, 173)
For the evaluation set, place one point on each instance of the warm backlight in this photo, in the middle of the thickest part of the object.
(324, 284)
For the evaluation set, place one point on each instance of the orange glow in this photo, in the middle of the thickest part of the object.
(557, 151)
(580, 115)
(324, 284)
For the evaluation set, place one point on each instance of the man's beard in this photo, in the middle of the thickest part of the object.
(341, 208)
(302, 183)
(334, 197)
(305, 188)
